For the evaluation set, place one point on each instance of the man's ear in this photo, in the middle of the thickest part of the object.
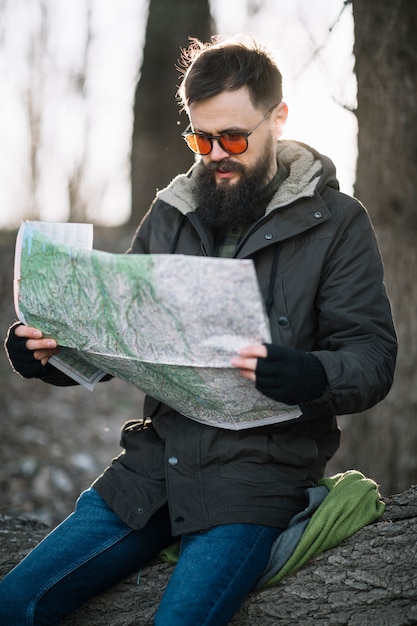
(279, 116)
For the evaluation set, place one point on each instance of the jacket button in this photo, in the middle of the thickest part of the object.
(173, 460)
(282, 321)
(268, 236)
(179, 519)
(140, 510)
(317, 215)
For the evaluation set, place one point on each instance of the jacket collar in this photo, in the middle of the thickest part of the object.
(308, 170)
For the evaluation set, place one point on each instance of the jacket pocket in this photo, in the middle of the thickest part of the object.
(266, 457)
(295, 453)
(144, 450)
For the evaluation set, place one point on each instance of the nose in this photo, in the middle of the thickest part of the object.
(217, 153)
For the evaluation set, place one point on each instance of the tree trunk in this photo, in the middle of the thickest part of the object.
(158, 151)
(382, 442)
(370, 579)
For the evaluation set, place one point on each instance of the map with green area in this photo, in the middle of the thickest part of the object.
(168, 324)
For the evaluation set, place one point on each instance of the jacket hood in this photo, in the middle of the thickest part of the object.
(308, 173)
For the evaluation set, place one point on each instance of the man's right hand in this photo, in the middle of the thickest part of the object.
(43, 347)
(28, 350)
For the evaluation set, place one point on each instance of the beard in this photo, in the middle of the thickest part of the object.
(225, 205)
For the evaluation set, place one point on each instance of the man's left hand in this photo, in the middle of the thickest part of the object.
(247, 360)
(283, 374)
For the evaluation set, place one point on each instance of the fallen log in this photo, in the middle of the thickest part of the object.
(369, 579)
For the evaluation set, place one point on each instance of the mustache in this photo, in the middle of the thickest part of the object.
(225, 165)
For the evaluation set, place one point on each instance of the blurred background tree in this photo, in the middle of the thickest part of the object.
(157, 147)
(383, 441)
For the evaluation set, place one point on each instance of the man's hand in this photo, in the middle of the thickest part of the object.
(28, 350)
(283, 374)
(247, 360)
(43, 347)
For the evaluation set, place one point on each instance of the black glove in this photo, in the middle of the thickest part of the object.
(22, 359)
(24, 363)
(290, 376)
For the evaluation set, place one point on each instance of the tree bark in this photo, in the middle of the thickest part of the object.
(381, 442)
(158, 151)
(370, 579)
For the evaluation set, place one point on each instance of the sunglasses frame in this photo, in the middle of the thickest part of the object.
(245, 134)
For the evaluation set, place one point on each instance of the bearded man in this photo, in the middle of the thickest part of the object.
(227, 495)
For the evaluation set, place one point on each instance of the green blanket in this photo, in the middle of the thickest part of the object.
(353, 502)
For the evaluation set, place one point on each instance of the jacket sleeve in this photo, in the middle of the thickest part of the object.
(147, 236)
(357, 343)
(159, 231)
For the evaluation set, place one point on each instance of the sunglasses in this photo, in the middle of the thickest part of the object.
(232, 143)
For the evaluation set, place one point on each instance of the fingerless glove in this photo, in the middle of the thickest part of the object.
(290, 376)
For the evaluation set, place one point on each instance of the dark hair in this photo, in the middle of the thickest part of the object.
(227, 64)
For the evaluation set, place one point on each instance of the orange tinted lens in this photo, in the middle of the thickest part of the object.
(198, 144)
(234, 143)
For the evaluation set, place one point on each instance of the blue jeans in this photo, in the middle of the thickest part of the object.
(93, 549)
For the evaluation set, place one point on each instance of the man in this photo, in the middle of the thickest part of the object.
(227, 494)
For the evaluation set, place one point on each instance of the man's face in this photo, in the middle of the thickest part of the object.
(230, 189)
(233, 111)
